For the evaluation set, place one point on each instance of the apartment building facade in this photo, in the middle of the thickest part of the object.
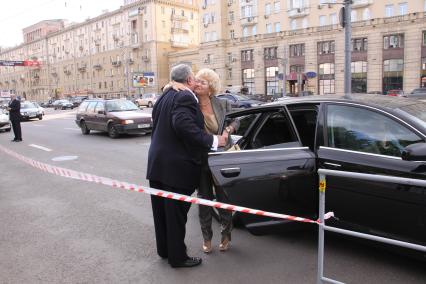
(250, 42)
(119, 53)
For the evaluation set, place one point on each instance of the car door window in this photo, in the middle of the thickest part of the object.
(363, 130)
(99, 107)
(275, 131)
(91, 107)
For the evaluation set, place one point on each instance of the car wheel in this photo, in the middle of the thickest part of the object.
(150, 104)
(84, 128)
(112, 131)
(7, 130)
(40, 117)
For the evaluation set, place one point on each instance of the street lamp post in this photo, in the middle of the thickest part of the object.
(348, 35)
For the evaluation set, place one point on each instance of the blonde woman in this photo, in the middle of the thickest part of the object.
(214, 110)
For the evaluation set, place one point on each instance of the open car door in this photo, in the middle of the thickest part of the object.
(272, 171)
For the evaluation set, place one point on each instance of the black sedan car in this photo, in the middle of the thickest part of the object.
(62, 104)
(112, 116)
(284, 143)
(240, 101)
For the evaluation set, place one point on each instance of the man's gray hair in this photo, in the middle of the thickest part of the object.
(180, 73)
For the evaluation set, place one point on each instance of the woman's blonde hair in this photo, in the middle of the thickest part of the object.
(212, 78)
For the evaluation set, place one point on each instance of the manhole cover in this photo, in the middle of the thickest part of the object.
(65, 158)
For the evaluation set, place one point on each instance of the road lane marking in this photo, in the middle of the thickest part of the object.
(40, 147)
(39, 125)
(68, 128)
(64, 158)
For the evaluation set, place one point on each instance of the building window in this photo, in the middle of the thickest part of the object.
(353, 16)
(163, 10)
(293, 24)
(297, 50)
(359, 76)
(333, 19)
(322, 20)
(268, 28)
(423, 80)
(248, 80)
(393, 74)
(366, 14)
(326, 47)
(393, 41)
(271, 81)
(326, 78)
(232, 34)
(403, 8)
(229, 73)
(254, 30)
(245, 32)
(424, 38)
(246, 11)
(206, 37)
(305, 23)
(231, 16)
(277, 27)
(389, 10)
(270, 53)
(268, 9)
(247, 55)
(213, 36)
(297, 68)
(359, 44)
(276, 7)
(213, 17)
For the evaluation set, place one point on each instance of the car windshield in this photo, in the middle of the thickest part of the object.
(27, 105)
(241, 97)
(121, 105)
(418, 111)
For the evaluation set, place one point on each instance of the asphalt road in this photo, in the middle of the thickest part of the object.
(57, 230)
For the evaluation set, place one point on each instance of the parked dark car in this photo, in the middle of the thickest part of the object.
(29, 110)
(62, 104)
(284, 144)
(239, 101)
(419, 93)
(76, 101)
(113, 116)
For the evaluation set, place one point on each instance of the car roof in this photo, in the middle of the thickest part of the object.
(379, 101)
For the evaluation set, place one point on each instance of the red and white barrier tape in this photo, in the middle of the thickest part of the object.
(63, 172)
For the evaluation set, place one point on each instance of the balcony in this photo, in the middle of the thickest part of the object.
(248, 21)
(176, 17)
(116, 63)
(97, 66)
(361, 3)
(130, 61)
(175, 43)
(145, 58)
(82, 69)
(298, 12)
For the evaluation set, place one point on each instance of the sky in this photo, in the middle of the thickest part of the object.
(18, 14)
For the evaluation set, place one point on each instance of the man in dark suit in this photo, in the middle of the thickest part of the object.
(15, 117)
(178, 142)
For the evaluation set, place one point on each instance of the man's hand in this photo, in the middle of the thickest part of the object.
(222, 139)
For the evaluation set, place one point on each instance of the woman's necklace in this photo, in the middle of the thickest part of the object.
(206, 104)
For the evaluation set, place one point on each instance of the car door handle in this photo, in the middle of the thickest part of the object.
(230, 172)
(332, 165)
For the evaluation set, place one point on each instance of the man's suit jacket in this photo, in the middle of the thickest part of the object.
(178, 141)
(15, 110)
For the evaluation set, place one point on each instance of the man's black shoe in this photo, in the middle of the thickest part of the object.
(13, 140)
(190, 262)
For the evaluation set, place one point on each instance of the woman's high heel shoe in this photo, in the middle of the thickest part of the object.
(224, 244)
(207, 246)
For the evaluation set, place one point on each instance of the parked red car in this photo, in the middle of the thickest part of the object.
(395, 93)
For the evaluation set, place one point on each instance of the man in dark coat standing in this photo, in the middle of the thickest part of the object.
(178, 142)
(15, 117)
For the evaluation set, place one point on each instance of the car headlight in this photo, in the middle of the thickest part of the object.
(127, 121)
(24, 113)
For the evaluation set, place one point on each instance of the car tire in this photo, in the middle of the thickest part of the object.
(7, 130)
(112, 131)
(150, 104)
(84, 129)
(40, 117)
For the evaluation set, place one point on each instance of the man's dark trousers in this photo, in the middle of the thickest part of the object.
(170, 218)
(16, 126)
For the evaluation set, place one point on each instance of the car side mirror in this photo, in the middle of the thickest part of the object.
(101, 112)
(415, 152)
